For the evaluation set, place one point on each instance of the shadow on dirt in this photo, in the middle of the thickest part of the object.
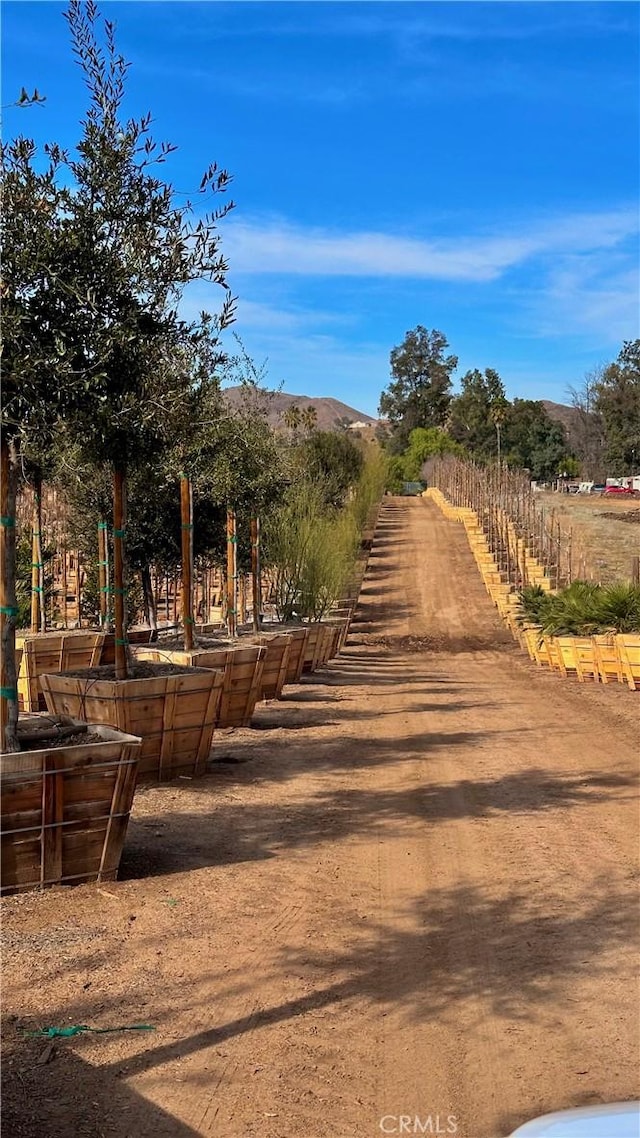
(217, 831)
(67, 1095)
(421, 968)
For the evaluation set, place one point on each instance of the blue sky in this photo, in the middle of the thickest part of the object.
(470, 167)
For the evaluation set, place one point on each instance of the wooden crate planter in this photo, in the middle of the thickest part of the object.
(336, 637)
(585, 652)
(276, 660)
(53, 652)
(174, 714)
(298, 638)
(608, 660)
(318, 646)
(324, 646)
(310, 661)
(65, 811)
(345, 614)
(628, 646)
(551, 655)
(532, 638)
(134, 636)
(329, 642)
(242, 675)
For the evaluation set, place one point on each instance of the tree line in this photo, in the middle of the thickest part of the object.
(425, 418)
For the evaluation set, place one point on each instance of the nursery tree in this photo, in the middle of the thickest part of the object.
(39, 381)
(419, 394)
(129, 252)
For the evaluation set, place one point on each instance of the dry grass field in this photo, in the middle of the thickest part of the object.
(605, 533)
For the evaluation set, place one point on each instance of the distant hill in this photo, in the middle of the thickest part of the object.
(582, 430)
(331, 413)
(561, 413)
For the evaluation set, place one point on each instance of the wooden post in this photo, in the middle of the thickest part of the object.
(102, 573)
(256, 588)
(232, 577)
(635, 571)
(119, 522)
(8, 602)
(38, 614)
(64, 586)
(186, 515)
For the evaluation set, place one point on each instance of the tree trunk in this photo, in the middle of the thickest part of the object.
(149, 602)
(64, 586)
(103, 578)
(8, 604)
(232, 574)
(186, 514)
(38, 610)
(255, 572)
(78, 589)
(120, 613)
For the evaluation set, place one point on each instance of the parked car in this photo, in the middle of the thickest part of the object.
(626, 490)
(615, 1120)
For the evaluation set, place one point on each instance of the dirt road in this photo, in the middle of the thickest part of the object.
(409, 892)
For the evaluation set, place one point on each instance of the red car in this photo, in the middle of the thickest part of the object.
(620, 490)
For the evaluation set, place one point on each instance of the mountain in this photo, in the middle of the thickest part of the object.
(331, 413)
(561, 413)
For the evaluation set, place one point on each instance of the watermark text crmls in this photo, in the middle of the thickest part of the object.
(419, 1124)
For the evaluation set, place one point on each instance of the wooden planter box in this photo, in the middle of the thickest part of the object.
(313, 648)
(65, 811)
(328, 642)
(628, 646)
(134, 636)
(345, 614)
(241, 676)
(298, 638)
(550, 654)
(532, 638)
(608, 661)
(585, 654)
(276, 660)
(174, 714)
(53, 652)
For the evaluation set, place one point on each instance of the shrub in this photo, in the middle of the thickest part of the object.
(582, 609)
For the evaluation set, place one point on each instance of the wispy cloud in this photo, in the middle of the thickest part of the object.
(596, 298)
(281, 247)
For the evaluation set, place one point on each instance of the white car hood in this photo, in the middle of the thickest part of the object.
(614, 1120)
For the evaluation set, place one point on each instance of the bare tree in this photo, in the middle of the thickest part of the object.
(586, 430)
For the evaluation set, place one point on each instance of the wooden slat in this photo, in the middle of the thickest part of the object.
(52, 815)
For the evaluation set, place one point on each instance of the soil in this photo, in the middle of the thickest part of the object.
(410, 889)
(632, 516)
(602, 549)
(80, 737)
(138, 670)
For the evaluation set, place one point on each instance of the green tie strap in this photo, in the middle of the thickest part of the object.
(78, 1028)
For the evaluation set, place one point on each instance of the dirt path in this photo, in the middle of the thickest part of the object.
(410, 891)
